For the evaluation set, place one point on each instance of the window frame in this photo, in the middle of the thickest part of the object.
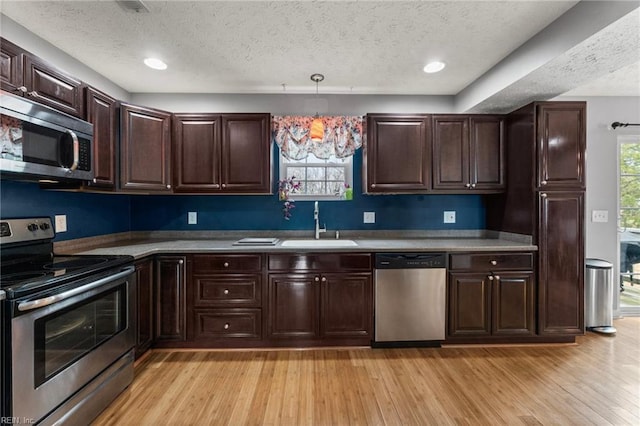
(284, 164)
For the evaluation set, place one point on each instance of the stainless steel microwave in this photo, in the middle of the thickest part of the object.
(41, 143)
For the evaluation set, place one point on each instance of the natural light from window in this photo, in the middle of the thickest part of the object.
(320, 179)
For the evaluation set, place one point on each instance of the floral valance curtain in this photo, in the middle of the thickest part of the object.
(297, 136)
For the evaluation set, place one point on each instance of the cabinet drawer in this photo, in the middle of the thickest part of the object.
(491, 261)
(228, 290)
(320, 262)
(228, 323)
(203, 263)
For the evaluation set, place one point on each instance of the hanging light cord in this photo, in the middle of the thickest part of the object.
(617, 124)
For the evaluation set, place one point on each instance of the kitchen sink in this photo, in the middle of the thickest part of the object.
(318, 243)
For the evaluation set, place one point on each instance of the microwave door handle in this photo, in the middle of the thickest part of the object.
(46, 301)
(76, 150)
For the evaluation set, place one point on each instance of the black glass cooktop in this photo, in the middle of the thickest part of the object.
(41, 273)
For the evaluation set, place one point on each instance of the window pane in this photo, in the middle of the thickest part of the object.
(316, 188)
(335, 187)
(335, 173)
(629, 191)
(297, 172)
(315, 173)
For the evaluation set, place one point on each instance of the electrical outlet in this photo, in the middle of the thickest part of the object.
(192, 218)
(369, 217)
(449, 217)
(61, 223)
(599, 216)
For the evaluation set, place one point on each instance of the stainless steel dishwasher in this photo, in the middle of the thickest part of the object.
(410, 299)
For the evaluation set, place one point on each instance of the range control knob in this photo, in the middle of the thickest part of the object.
(32, 227)
(44, 226)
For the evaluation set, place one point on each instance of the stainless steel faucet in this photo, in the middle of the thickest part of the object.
(316, 212)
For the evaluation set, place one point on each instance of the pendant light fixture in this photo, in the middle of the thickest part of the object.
(317, 127)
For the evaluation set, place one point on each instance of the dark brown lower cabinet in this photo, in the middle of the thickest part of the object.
(293, 306)
(493, 304)
(491, 296)
(319, 299)
(561, 264)
(170, 299)
(144, 280)
(226, 324)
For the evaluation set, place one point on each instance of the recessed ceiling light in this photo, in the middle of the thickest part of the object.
(432, 67)
(155, 63)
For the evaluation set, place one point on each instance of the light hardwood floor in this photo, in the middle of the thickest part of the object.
(596, 381)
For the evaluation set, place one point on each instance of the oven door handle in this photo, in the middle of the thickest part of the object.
(46, 301)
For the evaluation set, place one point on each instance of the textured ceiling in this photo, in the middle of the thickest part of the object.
(362, 47)
(372, 47)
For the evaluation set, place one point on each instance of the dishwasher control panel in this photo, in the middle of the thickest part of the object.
(410, 260)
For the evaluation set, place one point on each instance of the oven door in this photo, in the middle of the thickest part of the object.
(61, 342)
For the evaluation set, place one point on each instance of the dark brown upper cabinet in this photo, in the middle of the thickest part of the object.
(11, 61)
(222, 153)
(561, 145)
(101, 110)
(27, 75)
(397, 155)
(145, 149)
(468, 153)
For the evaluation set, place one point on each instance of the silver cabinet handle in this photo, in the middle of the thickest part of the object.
(226, 326)
(215, 185)
(226, 291)
(373, 185)
(224, 185)
(46, 301)
(324, 279)
(21, 89)
(497, 277)
(316, 279)
(168, 186)
(180, 262)
(490, 277)
(33, 94)
(226, 264)
(473, 185)
(494, 262)
(543, 195)
(544, 182)
(467, 185)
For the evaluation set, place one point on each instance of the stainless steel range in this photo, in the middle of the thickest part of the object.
(68, 327)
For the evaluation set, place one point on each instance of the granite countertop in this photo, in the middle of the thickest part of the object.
(141, 246)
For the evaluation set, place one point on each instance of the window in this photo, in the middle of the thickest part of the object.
(320, 179)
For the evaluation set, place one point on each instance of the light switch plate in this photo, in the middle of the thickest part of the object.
(61, 223)
(369, 217)
(449, 217)
(599, 216)
(192, 218)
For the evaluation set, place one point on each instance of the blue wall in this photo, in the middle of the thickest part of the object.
(87, 214)
(98, 214)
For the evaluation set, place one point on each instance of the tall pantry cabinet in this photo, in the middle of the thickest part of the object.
(545, 147)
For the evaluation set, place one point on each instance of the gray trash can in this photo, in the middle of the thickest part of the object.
(598, 294)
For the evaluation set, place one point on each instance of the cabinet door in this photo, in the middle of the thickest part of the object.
(293, 306)
(144, 280)
(486, 151)
(101, 112)
(512, 308)
(345, 305)
(145, 155)
(196, 152)
(11, 61)
(246, 153)
(170, 298)
(451, 152)
(561, 145)
(469, 304)
(397, 154)
(52, 87)
(561, 263)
